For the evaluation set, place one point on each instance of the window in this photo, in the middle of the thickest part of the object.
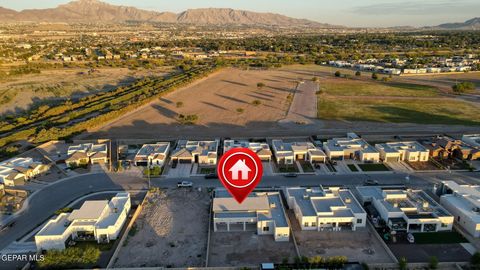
(359, 221)
(314, 224)
(458, 218)
(444, 225)
(266, 229)
(305, 224)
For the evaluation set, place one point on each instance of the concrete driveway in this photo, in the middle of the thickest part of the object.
(182, 170)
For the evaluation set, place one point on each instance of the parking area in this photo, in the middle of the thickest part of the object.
(358, 246)
(171, 231)
(181, 170)
(267, 168)
(400, 167)
(247, 249)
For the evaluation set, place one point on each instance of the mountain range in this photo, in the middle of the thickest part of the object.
(97, 11)
(81, 11)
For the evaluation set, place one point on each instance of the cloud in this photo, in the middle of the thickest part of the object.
(424, 8)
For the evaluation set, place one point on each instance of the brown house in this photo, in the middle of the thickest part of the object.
(446, 147)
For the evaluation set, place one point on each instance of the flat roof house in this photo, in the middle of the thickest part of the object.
(463, 201)
(289, 152)
(351, 147)
(406, 210)
(403, 151)
(262, 212)
(152, 154)
(322, 208)
(201, 152)
(262, 149)
(97, 220)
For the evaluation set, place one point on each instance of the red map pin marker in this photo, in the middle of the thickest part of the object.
(240, 170)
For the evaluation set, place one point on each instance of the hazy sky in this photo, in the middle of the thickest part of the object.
(343, 12)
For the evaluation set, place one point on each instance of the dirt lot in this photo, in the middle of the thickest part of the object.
(247, 249)
(171, 231)
(359, 246)
(19, 92)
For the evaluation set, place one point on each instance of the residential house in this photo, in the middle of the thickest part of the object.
(16, 171)
(321, 208)
(463, 201)
(289, 152)
(402, 151)
(405, 210)
(97, 220)
(351, 147)
(152, 154)
(2, 190)
(201, 152)
(262, 149)
(472, 139)
(261, 212)
(445, 147)
(83, 154)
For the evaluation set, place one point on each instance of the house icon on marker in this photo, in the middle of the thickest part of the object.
(240, 168)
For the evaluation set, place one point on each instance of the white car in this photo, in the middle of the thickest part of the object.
(410, 238)
(184, 184)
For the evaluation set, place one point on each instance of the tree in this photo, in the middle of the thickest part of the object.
(475, 260)
(338, 73)
(374, 76)
(179, 104)
(402, 263)
(260, 85)
(240, 110)
(358, 73)
(433, 263)
(463, 87)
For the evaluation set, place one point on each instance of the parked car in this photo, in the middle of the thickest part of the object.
(290, 175)
(184, 184)
(370, 182)
(174, 164)
(410, 238)
(211, 176)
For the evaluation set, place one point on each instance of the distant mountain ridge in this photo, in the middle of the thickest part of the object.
(472, 24)
(97, 11)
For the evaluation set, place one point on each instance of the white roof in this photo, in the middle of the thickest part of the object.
(89, 210)
(249, 204)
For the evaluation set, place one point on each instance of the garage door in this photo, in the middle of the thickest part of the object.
(392, 159)
(185, 161)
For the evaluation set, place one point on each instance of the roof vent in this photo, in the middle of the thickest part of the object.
(348, 200)
(273, 205)
(305, 196)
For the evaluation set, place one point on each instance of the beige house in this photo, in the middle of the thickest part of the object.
(261, 212)
(289, 152)
(202, 152)
(321, 208)
(97, 220)
(152, 154)
(83, 154)
(403, 151)
(262, 149)
(16, 171)
(351, 147)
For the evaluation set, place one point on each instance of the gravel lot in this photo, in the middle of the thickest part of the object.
(171, 231)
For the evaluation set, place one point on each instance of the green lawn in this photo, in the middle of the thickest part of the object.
(207, 170)
(439, 238)
(352, 168)
(444, 111)
(306, 166)
(373, 167)
(350, 87)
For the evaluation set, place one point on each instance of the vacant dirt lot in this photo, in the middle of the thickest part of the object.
(171, 231)
(359, 246)
(229, 98)
(19, 92)
(247, 249)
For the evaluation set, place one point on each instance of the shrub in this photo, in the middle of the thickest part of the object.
(338, 74)
(402, 263)
(179, 104)
(190, 119)
(463, 87)
(240, 110)
(70, 258)
(475, 260)
(358, 73)
(433, 263)
(256, 102)
(375, 76)
(260, 85)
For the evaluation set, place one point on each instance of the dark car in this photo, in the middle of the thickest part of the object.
(211, 176)
(370, 182)
(290, 175)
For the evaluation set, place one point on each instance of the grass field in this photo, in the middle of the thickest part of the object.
(374, 167)
(350, 87)
(445, 111)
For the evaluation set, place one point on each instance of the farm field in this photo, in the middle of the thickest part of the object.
(18, 93)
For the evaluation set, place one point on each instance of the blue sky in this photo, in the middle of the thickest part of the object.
(343, 12)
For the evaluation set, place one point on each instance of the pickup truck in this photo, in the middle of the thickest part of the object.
(184, 184)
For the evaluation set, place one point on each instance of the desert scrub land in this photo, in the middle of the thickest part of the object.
(20, 92)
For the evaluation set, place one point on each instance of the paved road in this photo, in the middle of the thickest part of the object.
(304, 105)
